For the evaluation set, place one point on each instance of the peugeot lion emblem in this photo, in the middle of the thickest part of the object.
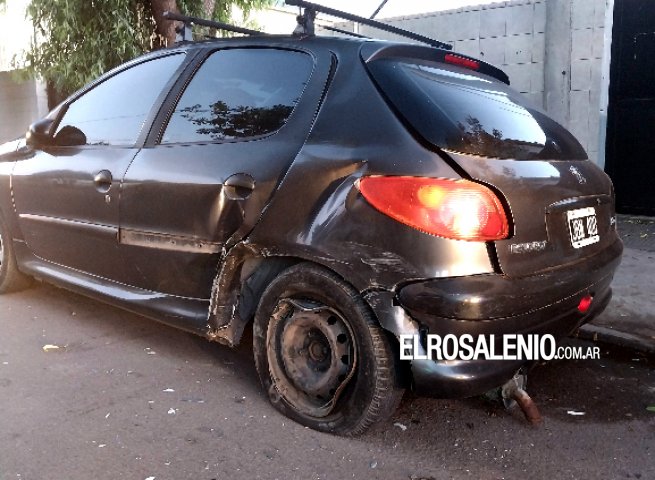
(576, 173)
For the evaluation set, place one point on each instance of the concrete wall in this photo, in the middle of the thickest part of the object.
(587, 46)
(508, 34)
(21, 103)
(552, 51)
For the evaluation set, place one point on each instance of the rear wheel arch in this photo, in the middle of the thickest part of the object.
(240, 283)
(316, 300)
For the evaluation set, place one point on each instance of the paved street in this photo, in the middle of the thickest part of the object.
(127, 398)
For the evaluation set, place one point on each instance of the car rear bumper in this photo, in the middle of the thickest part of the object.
(546, 303)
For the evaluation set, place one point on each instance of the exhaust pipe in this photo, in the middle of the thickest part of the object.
(513, 392)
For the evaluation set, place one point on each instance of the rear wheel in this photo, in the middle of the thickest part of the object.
(320, 355)
(11, 279)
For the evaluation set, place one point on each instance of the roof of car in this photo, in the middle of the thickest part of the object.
(304, 36)
(368, 48)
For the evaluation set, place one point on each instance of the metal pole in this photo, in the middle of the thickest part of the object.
(367, 21)
(377, 10)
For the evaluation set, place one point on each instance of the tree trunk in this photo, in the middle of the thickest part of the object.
(165, 28)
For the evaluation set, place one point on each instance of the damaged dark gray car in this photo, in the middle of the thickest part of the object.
(338, 192)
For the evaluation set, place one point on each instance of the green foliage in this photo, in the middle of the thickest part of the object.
(220, 10)
(78, 40)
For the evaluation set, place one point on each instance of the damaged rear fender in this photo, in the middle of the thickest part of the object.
(246, 272)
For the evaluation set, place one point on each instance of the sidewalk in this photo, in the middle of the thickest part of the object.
(629, 320)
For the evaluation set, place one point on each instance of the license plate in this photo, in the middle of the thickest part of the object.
(583, 227)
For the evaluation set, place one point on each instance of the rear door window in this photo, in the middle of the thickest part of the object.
(471, 113)
(239, 94)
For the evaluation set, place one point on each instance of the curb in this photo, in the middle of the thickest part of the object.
(616, 338)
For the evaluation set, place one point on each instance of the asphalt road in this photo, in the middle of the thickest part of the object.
(127, 398)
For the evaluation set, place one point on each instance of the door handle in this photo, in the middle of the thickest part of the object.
(103, 180)
(238, 186)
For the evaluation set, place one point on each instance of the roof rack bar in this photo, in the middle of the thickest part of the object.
(210, 23)
(345, 32)
(377, 10)
(367, 21)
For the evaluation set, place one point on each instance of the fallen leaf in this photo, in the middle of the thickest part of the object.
(651, 408)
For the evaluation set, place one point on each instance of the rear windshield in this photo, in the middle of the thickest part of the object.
(470, 113)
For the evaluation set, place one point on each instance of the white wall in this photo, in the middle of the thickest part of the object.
(587, 46)
(512, 35)
(21, 103)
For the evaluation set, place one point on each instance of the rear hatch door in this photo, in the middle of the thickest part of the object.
(562, 211)
(561, 205)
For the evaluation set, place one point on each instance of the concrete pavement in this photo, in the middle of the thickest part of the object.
(629, 320)
(124, 397)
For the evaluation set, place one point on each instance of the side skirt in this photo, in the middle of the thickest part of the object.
(189, 314)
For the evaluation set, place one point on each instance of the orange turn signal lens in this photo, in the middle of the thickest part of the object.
(457, 209)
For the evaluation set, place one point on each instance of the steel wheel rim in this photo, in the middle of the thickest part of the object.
(311, 355)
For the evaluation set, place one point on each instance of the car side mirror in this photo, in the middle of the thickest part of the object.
(70, 136)
(38, 135)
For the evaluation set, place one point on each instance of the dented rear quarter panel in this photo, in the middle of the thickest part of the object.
(319, 215)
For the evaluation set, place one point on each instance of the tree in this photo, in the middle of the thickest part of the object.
(78, 40)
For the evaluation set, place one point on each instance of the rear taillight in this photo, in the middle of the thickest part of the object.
(457, 209)
(585, 303)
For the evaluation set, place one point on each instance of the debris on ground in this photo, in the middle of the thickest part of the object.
(400, 425)
(51, 348)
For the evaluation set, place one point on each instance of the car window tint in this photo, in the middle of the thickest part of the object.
(113, 112)
(470, 113)
(239, 93)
